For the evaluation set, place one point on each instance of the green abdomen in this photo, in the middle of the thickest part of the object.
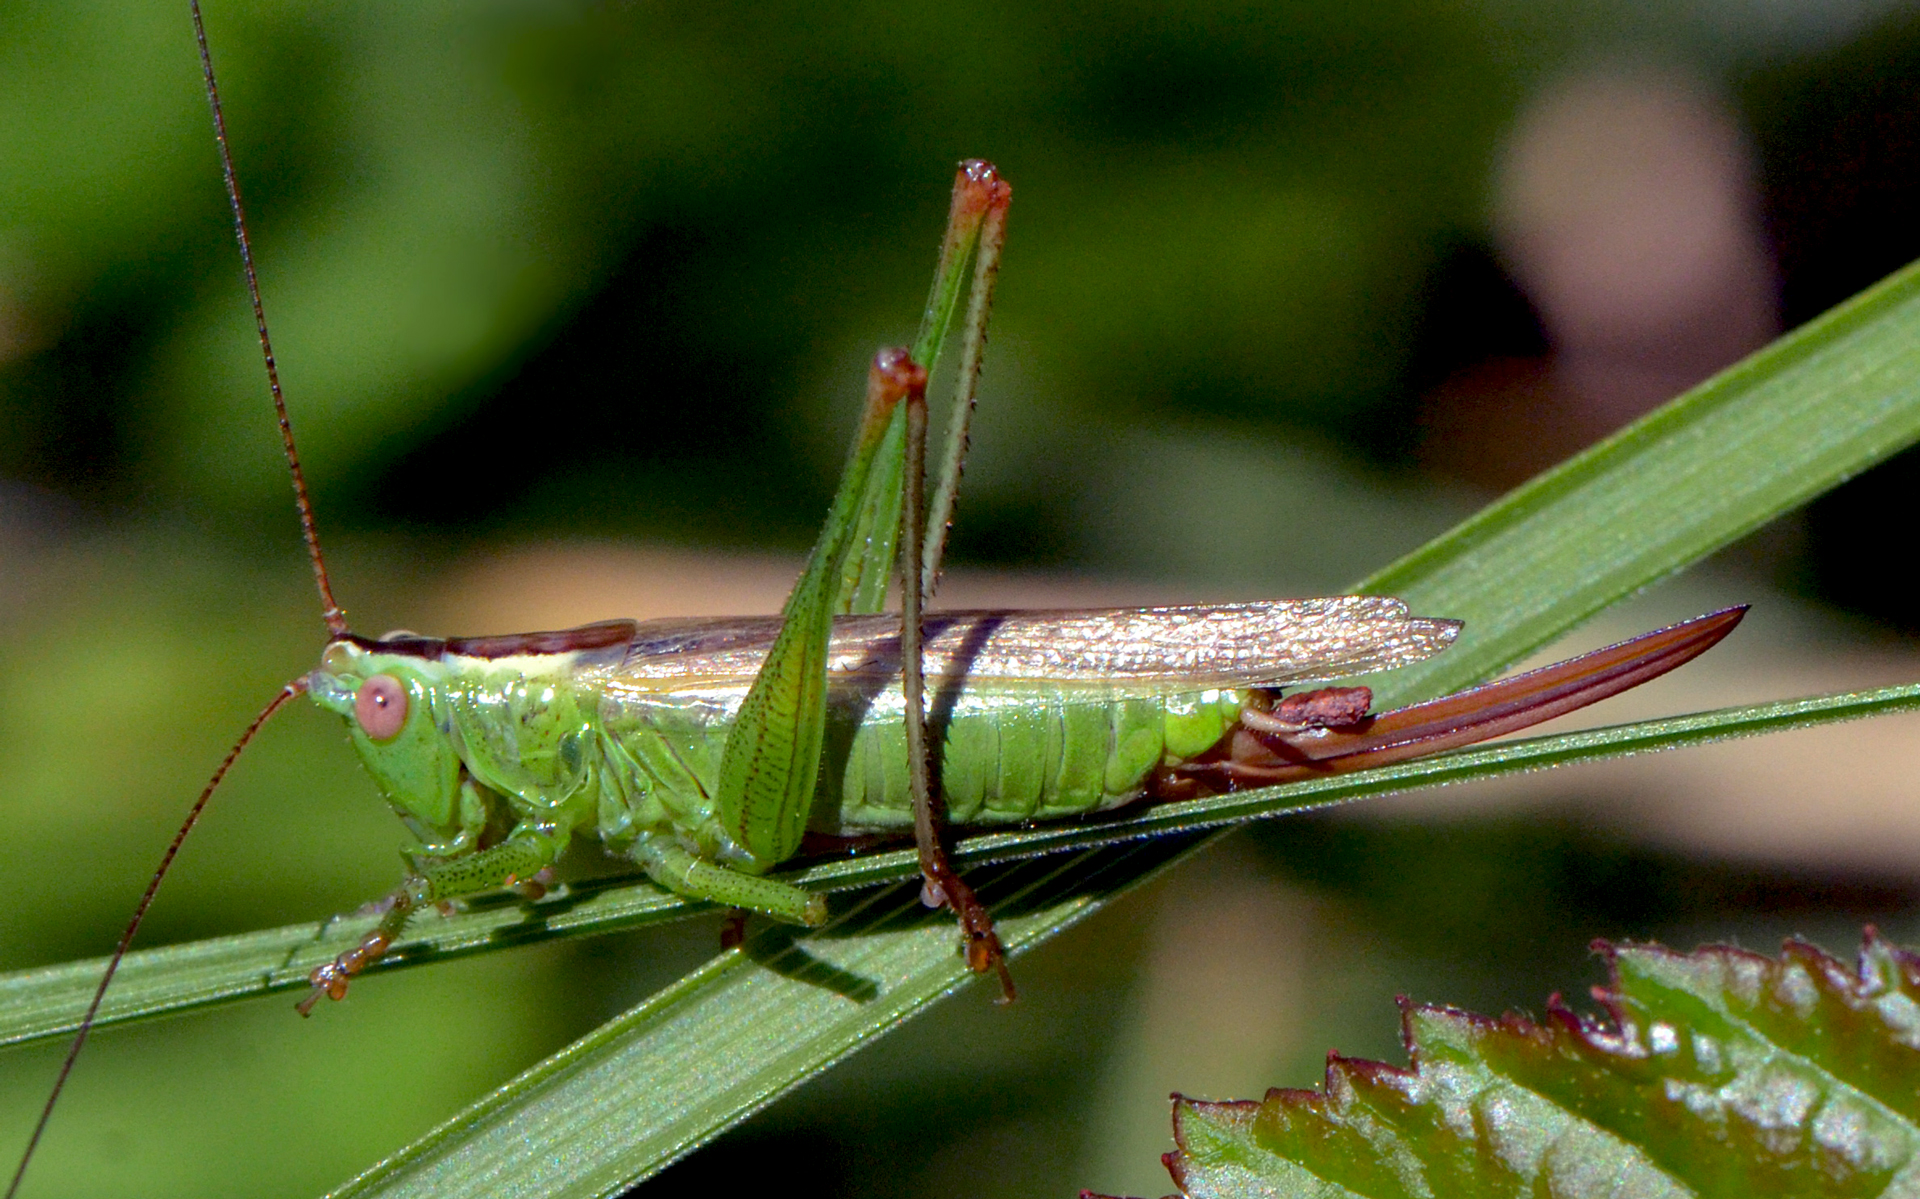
(1032, 752)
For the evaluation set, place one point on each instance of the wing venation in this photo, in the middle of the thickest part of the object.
(1149, 649)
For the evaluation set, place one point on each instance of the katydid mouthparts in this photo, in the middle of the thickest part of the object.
(705, 750)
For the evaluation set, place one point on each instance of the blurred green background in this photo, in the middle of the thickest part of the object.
(1278, 304)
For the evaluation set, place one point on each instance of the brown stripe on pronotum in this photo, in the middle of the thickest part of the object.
(602, 635)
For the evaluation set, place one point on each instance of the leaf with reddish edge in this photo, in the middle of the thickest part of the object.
(1717, 1072)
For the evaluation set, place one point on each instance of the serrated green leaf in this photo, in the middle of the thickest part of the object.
(1719, 1072)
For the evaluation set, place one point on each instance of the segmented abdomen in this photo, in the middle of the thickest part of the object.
(1028, 752)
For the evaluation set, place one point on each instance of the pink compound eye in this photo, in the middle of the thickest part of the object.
(381, 707)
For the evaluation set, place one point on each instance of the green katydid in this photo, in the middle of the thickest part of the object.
(705, 751)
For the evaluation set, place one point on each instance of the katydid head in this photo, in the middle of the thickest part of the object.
(396, 696)
(384, 690)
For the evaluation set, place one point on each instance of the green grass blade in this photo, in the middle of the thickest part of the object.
(736, 1034)
(1754, 442)
(38, 1004)
(725, 1041)
(1823, 403)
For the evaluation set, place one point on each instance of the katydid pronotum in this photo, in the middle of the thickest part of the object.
(699, 749)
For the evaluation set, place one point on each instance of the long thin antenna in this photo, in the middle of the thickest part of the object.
(296, 687)
(336, 618)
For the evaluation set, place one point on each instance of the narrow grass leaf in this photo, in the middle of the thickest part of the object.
(1825, 402)
(1687, 479)
(43, 1003)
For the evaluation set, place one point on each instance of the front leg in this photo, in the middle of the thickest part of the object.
(519, 859)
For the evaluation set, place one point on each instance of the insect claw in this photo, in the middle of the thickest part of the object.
(305, 1006)
(536, 885)
(733, 931)
(1008, 993)
(331, 978)
(979, 941)
(984, 953)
